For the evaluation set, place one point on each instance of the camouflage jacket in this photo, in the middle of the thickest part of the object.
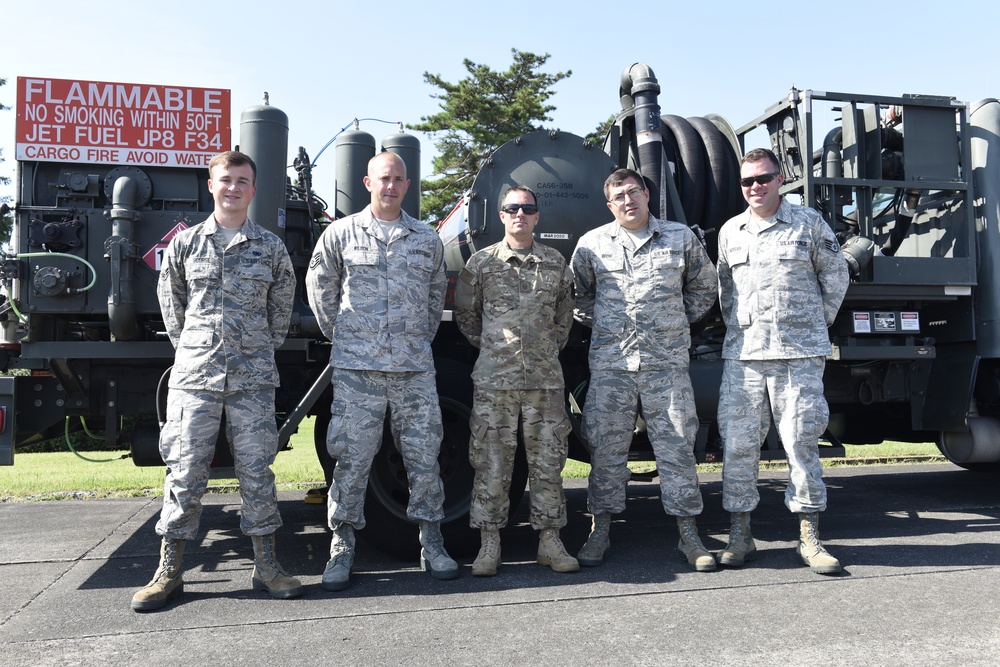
(518, 312)
(379, 303)
(780, 286)
(640, 303)
(225, 309)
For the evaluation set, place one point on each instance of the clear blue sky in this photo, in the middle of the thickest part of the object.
(327, 62)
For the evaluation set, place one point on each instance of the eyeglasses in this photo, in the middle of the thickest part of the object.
(762, 179)
(619, 198)
(511, 209)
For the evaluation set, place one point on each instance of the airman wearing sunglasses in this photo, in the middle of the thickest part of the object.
(782, 279)
(640, 283)
(514, 301)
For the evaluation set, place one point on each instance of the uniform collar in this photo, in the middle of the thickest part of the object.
(618, 232)
(505, 253)
(407, 222)
(249, 229)
(781, 216)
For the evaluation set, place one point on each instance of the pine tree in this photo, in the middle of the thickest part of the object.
(479, 114)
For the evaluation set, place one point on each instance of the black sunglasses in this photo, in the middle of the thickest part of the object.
(511, 209)
(761, 180)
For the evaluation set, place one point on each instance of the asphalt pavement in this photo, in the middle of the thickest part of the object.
(921, 586)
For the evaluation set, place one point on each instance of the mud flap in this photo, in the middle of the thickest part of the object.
(944, 405)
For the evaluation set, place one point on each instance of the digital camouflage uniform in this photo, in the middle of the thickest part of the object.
(780, 285)
(640, 304)
(380, 303)
(518, 311)
(226, 309)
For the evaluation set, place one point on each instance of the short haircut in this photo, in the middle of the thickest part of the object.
(386, 156)
(233, 159)
(758, 154)
(519, 188)
(618, 177)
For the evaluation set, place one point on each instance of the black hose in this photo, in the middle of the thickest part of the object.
(692, 172)
(160, 400)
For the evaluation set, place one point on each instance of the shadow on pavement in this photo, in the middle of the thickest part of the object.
(911, 511)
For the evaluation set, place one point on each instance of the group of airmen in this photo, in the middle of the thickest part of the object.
(377, 281)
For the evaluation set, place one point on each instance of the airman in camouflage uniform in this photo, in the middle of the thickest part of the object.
(225, 291)
(514, 301)
(640, 283)
(782, 279)
(376, 283)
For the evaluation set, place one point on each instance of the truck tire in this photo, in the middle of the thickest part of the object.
(976, 449)
(387, 527)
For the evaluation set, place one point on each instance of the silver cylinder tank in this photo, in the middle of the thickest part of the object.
(565, 172)
(352, 151)
(264, 137)
(407, 147)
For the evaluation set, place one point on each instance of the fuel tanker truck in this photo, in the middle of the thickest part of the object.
(107, 173)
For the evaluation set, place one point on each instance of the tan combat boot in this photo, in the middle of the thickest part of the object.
(552, 553)
(811, 550)
(268, 575)
(433, 556)
(690, 545)
(488, 560)
(741, 546)
(167, 581)
(596, 548)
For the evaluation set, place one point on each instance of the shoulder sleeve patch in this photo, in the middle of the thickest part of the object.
(467, 276)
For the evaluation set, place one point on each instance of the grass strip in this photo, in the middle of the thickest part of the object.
(61, 475)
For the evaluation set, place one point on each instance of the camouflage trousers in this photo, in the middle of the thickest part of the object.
(609, 419)
(360, 402)
(187, 445)
(496, 414)
(792, 392)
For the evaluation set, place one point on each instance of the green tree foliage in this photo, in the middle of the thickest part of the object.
(6, 220)
(478, 115)
(600, 132)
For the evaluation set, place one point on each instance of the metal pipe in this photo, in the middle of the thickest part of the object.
(833, 167)
(119, 251)
(904, 218)
(640, 90)
(295, 417)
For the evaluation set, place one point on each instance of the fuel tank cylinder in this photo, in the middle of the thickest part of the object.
(264, 137)
(407, 147)
(352, 151)
(565, 172)
(984, 124)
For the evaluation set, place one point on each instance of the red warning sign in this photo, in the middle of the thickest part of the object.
(154, 256)
(100, 122)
